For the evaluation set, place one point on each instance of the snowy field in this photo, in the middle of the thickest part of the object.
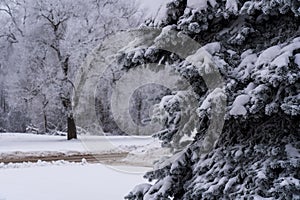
(66, 181)
(62, 180)
(13, 142)
(143, 150)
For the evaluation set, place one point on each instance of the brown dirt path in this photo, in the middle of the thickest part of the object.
(106, 158)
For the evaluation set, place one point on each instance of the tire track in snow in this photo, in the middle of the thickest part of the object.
(89, 157)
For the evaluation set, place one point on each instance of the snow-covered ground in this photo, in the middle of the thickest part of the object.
(143, 151)
(66, 181)
(62, 180)
(12, 142)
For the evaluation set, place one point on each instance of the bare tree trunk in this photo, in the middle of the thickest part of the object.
(3, 103)
(139, 110)
(71, 126)
(45, 103)
(72, 133)
(65, 90)
(45, 122)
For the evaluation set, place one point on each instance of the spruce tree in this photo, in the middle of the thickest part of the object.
(257, 47)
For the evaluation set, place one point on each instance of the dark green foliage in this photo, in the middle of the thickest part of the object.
(257, 51)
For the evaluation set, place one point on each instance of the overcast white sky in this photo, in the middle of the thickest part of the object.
(152, 5)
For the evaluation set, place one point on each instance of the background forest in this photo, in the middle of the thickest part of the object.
(42, 45)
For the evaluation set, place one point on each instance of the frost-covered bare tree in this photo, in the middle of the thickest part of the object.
(44, 43)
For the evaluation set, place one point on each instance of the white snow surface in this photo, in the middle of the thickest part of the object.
(62, 180)
(143, 150)
(268, 55)
(147, 155)
(212, 97)
(12, 142)
(238, 105)
(66, 181)
(297, 59)
(291, 151)
(231, 5)
(22, 142)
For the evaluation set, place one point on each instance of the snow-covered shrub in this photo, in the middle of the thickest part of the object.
(2, 130)
(32, 129)
(255, 47)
